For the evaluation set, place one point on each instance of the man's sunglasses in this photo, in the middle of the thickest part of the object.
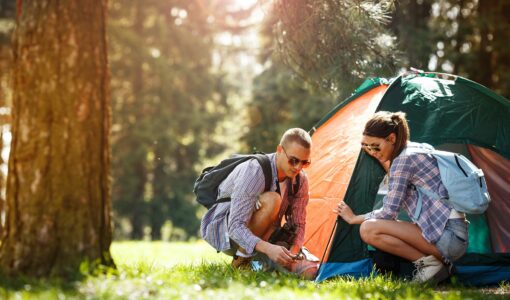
(294, 161)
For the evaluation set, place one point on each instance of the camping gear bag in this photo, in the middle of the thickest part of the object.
(465, 182)
(206, 185)
(283, 236)
(305, 264)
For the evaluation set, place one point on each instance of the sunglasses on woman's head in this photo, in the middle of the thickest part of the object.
(294, 161)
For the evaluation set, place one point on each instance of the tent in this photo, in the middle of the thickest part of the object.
(446, 111)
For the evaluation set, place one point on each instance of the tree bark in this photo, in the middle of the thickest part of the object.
(58, 186)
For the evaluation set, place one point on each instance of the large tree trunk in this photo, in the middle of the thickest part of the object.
(58, 187)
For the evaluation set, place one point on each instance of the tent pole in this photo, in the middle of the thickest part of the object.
(327, 246)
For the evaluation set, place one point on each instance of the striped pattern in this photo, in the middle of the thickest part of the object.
(419, 170)
(229, 220)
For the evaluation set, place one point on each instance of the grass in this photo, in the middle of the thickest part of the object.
(161, 270)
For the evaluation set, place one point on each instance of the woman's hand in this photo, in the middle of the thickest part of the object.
(344, 211)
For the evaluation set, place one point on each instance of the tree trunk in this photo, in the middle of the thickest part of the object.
(2, 200)
(58, 187)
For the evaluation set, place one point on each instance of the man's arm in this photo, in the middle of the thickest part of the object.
(278, 254)
(247, 184)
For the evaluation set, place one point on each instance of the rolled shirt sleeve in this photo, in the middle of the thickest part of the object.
(401, 171)
(249, 183)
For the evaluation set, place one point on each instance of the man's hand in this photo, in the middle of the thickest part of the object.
(277, 254)
(258, 204)
(280, 255)
(298, 256)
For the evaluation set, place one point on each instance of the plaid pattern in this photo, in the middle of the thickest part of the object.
(228, 220)
(419, 170)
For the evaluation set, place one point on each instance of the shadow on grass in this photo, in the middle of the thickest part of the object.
(66, 284)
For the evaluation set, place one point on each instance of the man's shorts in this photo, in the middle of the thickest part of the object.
(233, 248)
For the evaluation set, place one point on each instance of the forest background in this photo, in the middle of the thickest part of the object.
(193, 81)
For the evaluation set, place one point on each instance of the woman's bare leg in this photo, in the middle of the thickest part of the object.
(397, 237)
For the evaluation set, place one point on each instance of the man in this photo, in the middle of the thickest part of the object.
(242, 227)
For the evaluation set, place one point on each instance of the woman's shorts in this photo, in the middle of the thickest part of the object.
(454, 241)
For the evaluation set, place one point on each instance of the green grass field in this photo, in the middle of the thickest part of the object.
(161, 270)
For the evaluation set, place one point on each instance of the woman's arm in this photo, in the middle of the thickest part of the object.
(344, 211)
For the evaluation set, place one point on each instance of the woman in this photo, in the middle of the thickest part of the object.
(439, 235)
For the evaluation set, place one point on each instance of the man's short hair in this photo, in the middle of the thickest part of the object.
(296, 135)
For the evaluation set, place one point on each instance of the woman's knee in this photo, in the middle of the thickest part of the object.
(368, 231)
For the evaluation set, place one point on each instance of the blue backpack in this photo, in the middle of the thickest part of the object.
(465, 182)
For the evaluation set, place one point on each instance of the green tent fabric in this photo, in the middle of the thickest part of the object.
(444, 111)
(440, 111)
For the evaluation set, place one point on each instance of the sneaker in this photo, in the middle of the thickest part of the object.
(242, 263)
(429, 269)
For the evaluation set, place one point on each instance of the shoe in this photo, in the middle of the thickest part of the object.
(429, 269)
(305, 269)
(242, 263)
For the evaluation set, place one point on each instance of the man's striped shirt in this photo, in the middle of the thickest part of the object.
(228, 220)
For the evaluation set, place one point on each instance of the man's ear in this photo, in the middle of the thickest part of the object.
(279, 148)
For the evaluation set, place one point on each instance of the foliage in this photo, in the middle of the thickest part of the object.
(315, 52)
(467, 38)
(471, 39)
(172, 94)
(336, 44)
(281, 99)
(168, 98)
(188, 277)
(410, 24)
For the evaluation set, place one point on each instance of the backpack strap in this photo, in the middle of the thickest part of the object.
(292, 190)
(422, 190)
(265, 163)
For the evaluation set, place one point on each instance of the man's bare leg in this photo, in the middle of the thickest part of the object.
(261, 222)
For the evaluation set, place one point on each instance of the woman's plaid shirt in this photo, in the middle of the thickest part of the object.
(418, 170)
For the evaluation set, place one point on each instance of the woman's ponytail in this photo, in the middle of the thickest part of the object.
(383, 123)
